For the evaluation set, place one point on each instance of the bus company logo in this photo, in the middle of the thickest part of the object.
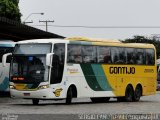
(58, 92)
(72, 71)
(148, 71)
(122, 70)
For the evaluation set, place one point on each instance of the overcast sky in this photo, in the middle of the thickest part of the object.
(96, 14)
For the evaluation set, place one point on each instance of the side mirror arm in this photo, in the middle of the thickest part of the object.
(48, 59)
(4, 59)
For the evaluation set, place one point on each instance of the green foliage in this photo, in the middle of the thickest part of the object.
(10, 9)
(142, 39)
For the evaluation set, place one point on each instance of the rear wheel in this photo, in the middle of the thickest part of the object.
(99, 100)
(69, 96)
(129, 94)
(137, 93)
(35, 101)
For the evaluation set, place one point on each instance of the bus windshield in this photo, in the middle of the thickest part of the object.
(29, 65)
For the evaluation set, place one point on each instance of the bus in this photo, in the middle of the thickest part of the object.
(6, 46)
(158, 74)
(79, 67)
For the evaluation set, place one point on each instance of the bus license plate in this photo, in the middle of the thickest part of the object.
(26, 94)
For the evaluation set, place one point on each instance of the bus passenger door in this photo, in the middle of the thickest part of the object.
(57, 63)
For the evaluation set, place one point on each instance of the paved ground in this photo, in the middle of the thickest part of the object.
(147, 105)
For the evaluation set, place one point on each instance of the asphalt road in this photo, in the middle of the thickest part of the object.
(79, 109)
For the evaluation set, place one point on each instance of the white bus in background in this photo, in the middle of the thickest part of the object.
(158, 74)
(6, 46)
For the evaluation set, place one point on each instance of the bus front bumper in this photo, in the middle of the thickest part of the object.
(38, 94)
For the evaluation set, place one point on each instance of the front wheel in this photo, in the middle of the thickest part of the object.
(35, 101)
(69, 96)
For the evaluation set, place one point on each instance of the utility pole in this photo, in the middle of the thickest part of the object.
(46, 21)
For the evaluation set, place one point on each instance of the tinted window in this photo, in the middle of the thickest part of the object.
(140, 56)
(122, 55)
(89, 54)
(37, 49)
(110, 55)
(74, 54)
(104, 54)
(150, 57)
(57, 63)
(118, 55)
(130, 55)
(59, 50)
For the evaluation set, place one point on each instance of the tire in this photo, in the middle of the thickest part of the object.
(35, 101)
(129, 94)
(100, 100)
(137, 93)
(69, 96)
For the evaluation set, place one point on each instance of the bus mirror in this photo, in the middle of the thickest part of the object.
(48, 59)
(4, 59)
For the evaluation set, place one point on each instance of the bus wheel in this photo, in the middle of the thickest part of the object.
(129, 94)
(69, 96)
(35, 101)
(137, 93)
(99, 100)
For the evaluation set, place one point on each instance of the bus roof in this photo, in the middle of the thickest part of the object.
(110, 42)
(7, 43)
(92, 41)
(140, 44)
(53, 40)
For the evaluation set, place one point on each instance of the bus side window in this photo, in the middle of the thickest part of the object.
(118, 55)
(104, 54)
(74, 54)
(140, 56)
(130, 55)
(114, 55)
(150, 56)
(122, 56)
(89, 54)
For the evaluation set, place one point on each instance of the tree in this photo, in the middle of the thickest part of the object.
(10, 9)
(142, 39)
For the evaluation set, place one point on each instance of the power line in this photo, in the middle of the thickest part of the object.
(101, 27)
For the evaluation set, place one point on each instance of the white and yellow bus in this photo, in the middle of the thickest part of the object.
(82, 67)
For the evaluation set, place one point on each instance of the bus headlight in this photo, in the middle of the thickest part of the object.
(12, 87)
(43, 87)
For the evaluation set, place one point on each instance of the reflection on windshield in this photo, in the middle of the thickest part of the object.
(31, 68)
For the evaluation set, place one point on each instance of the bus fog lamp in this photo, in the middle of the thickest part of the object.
(12, 87)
